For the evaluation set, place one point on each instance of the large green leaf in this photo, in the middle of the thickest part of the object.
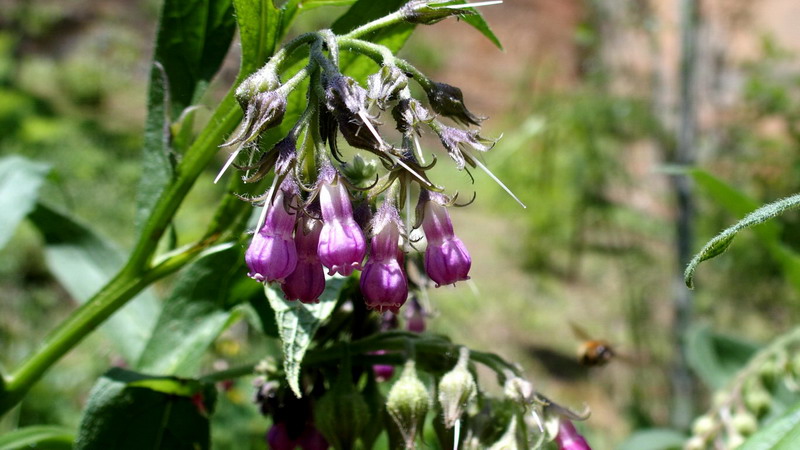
(261, 26)
(198, 310)
(783, 433)
(20, 180)
(128, 410)
(715, 357)
(297, 323)
(193, 38)
(83, 262)
(654, 439)
(44, 437)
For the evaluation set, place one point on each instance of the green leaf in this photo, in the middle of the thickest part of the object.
(40, 437)
(261, 28)
(654, 439)
(479, 23)
(297, 323)
(306, 5)
(20, 180)
(128, 410)
(83, 262)
(722, 241)
(783, 433)
(196, 313)
(393, 37)
(715, 357)
(193, 38)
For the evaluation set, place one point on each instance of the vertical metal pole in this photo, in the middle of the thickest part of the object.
(681, 379)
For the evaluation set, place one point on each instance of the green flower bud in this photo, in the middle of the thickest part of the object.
(735, 440)
(744, 423)
(704, 425)
(418, 11)
(519, 390)
(449, 101)
(265, 79)
(407, 403)
(457, 389)
(695, 443)
(509, 438)
(342, 413)
(757, 398)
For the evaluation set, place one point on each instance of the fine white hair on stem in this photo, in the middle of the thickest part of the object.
(497, 180)
(227, 164)
(473, 5)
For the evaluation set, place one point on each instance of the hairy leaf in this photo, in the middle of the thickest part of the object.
(193, 38)
(479, 23)
(42, 436)
(20, 180)
(128, 410)
(715, 357)
(198, 310)
(722, 241)
(83, 262)
(297, 323)
(783, 433)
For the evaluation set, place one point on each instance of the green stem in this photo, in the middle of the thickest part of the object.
(383, 55)
(385, 21)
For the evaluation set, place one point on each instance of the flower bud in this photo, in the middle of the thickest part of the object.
(341, 413)
(360, 171)
(735, 440)
(509, 439)
(704, 425)
(457, 389)
(382, 372)
(385, 85)
(265, 79)
(519, 390)
(695, 443)
(744, 423)
(419, 12)
(449, 101)
(757, 398)
(407, 403)
(460, 143)
(415, 317)
(265, 110)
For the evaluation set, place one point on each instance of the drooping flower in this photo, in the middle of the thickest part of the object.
(307, 282)
(449, 101)
(415, 317)
(341, 242)
(568, 437)
(460, 143)
(385, 85)
(272, 255)
(446, 258)
(383, 281)
(264, 110)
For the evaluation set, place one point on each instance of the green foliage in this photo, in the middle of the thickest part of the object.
(716, 358)
(127, 410)
(654, 439)
(41, 437)
(782, 433)
(20, 180)
(297, 323)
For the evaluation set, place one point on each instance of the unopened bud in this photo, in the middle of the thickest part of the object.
(265, 79)
(385, 85)
(418, 11)
(449, 101)
(407, 403)
(757, 398)
(265, 110)
(735, 440)
(342, 413)
(457, 389)
(744, 423)
(360, 170)
(704, 425)
(519, 390)
(509, 438)
(695, 443)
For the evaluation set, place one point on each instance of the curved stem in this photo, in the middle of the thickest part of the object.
(385, 21)
(383, 55)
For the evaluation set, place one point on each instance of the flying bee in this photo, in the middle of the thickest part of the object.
(592, 352)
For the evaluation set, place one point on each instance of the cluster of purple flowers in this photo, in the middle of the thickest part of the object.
(294, 245)
(309, 222)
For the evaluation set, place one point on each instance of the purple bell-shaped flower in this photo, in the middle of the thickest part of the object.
(446, 258)
(307, 282)
(383, 281)
(272, 255)
(341, 242)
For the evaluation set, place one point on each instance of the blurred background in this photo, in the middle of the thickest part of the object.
(600, 103)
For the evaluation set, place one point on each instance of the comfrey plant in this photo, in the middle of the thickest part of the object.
(313, 184)
(326, 132)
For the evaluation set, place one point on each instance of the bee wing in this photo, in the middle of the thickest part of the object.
(579, 332)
